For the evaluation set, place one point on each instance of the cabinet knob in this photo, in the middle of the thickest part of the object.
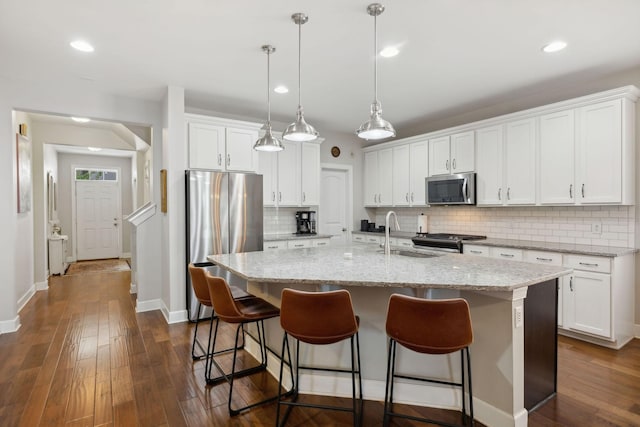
(509, 193)
(571, 191)
(219, 159)
(571, 284)
(446, 165)
(499, 193)
(454, 163)
(304, 196)
(412, 197)
(228, 159)
(583, 191)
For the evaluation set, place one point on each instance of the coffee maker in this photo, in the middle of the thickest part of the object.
(306, 222)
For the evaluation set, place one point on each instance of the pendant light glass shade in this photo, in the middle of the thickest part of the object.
(300, 130)
(268, 142)
(376, 127)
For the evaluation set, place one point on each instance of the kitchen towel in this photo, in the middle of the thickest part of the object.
(422, 224)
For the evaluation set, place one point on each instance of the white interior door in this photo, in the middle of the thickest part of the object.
(97, 219)
(333, 205)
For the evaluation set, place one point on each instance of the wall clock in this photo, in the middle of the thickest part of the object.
(335, 151)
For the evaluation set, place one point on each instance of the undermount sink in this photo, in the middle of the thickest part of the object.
(411, 253)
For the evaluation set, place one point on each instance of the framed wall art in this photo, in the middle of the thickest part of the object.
(23, 158)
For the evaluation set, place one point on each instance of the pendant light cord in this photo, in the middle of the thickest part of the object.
(375, 58)
(269, 88)
(299, 63)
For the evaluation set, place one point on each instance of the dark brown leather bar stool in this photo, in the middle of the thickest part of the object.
(428, 327)
(319, 318)
(239, 312)
(201, 290)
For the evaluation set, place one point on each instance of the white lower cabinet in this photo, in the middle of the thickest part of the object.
(400, 242)
(587, 303)
(595, 302)
(296, 244)
(57, 254)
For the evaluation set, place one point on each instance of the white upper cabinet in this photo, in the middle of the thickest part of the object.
(291, 177)
(289, 186)
(240, 155)
(587, 154)
(576, 152)
(268, 168)
(220, 144)
(378, 173)
(452, 154)
(557, 153)
(418, 171)
(439, 156)
(206, 146)
(401, 176)
(599, 162)
(489, 166)
(310, 171)
(520, 162)
(463, 149)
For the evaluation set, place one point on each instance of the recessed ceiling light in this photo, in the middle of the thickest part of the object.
(389, 52)
(94, 148)
(281, 89)
(554, 46)
(82, 46)
(80, 119)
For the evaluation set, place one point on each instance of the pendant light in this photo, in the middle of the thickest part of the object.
(376, 127)
(299, 130)
(268, 142)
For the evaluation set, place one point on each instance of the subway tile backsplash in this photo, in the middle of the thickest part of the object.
(588, 225)
(279, 220)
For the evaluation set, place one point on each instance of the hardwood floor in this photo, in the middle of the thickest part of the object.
(84, 357)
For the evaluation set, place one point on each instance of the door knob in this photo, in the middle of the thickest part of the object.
(344, 229)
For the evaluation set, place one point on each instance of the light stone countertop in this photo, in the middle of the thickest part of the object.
(369, 267)
(605, 251)
(293, 236)
(593, 250)
(392, 233)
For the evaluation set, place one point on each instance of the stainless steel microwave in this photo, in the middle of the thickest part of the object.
(457, 189)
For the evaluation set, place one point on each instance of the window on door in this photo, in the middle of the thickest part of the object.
(96, 175)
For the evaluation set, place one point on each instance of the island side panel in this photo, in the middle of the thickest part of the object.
(540, 343)
(497, 357)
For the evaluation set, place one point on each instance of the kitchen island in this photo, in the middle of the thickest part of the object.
(508, 300)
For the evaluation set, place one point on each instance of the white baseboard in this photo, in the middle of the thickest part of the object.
(133, 289)
(8, 326)
(404, 393)
(42, 286)
(174, 316)
(126, 255)
(22, 301)
(154, 304)
(636, 331)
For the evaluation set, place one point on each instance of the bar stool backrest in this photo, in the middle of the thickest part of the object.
(318, 317)
(223, 302)
(199, 283)
(429, 326)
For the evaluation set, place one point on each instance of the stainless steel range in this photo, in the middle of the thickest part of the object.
(444, 241)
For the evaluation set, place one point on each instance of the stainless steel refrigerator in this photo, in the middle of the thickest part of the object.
(224, 215)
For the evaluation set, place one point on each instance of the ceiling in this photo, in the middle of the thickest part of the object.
(455, 55)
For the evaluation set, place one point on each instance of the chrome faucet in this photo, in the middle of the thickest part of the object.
(387, 246)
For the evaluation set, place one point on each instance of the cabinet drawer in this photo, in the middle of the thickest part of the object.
(588, 263)
(280, 244)
(475, 250)
(297, 244)
(542, 257)
(358, 238)
(506, 253)
(403, 243)
(374, 239)
(320, 242)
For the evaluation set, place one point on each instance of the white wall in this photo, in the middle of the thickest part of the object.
(72, 98)
(25, 283)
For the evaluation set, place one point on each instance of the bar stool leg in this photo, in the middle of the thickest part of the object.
(360, 380)
(388, 398)
(464, 400)
(470, 387)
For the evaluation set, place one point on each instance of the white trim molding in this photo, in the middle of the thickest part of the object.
(43, 286)
(174, 316)
(143, 306)
(26, 297)
(8, 326)
(637, 331)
